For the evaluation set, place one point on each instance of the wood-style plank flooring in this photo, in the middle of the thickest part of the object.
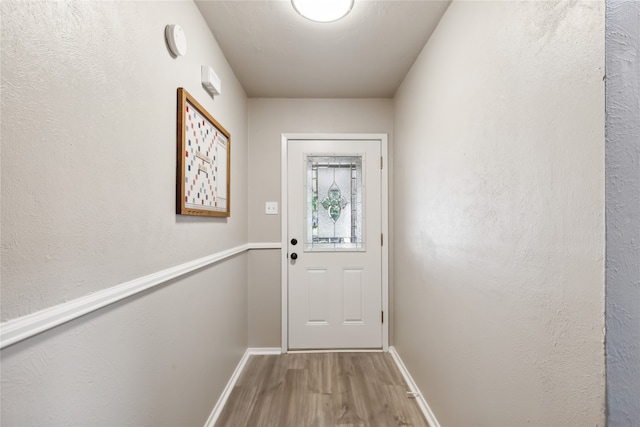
(321, 390)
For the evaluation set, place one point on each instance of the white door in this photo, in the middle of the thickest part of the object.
(334, 215)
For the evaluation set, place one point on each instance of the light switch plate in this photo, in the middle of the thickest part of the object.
(271, 208)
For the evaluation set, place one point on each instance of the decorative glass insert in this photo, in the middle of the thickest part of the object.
(334, 203)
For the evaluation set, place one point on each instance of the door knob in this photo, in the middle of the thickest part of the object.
(294, 256)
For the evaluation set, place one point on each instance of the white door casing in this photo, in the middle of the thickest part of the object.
(334, 293)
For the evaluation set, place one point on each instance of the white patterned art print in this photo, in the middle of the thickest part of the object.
(203, 161)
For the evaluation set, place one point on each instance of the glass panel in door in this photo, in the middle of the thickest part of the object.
(334, 203)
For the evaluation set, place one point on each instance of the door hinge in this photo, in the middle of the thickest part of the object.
(382, 316)
(380, 162)
(381, 239)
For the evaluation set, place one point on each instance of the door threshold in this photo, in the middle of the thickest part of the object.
(338, 350)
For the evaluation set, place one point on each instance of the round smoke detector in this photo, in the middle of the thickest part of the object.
(176, 39)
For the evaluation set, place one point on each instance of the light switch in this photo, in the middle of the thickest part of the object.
(271, 208)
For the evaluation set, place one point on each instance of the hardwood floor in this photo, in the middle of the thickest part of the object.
(321, 390)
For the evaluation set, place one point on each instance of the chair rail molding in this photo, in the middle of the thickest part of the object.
(22, 328)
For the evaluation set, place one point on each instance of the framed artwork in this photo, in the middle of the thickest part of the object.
(203, 161)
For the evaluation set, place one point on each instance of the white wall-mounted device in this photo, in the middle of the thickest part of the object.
(176, 39)
(210, 80)
(271, 208)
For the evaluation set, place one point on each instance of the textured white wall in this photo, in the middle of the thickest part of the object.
(499, 215)
(268, 119)
(623, 212)
(88, 155)
(88, 202)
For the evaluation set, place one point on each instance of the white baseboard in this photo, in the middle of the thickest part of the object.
(264, 351)
(413, 388)
(217, 409)
(337, 350)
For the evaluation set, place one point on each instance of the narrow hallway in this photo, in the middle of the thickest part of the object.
(323, 390)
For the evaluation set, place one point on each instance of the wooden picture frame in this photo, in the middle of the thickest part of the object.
(203, 161)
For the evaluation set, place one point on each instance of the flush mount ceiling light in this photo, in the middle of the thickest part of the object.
(323, 10)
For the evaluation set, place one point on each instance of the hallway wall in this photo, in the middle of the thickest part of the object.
(88, 203)
(268, 119)
(623, 212)
(499, 215)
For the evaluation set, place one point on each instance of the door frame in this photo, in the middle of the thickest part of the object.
(384, 216)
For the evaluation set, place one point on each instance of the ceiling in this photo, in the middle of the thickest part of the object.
(276, 53)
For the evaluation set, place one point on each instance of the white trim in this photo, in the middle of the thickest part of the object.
(414, 390)
(222, 400)
(330, 136)
(385, 247)
(264, 351)
(16, 330)
(284, 267)
(338, 350)
(383, 138)
(265, 245)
